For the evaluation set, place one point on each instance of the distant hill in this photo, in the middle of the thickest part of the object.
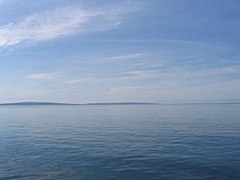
(32, 103)
(57, 104)
(122, 103)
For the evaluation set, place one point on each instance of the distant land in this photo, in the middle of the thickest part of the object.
(106, 104)
(70, 104)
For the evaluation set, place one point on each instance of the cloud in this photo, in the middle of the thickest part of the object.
(44, 76)
(133, 57)
(138, 74)
(74, 81)
(125, 57)
(63, 22)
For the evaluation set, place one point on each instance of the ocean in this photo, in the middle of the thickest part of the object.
(187, 141)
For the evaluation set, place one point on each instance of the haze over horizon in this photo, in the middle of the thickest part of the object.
(129, 51)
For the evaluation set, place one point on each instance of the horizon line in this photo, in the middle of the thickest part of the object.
(109, 103)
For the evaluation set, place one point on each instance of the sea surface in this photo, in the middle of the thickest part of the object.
(191, 141)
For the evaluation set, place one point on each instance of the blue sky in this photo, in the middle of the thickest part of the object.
(108, 50)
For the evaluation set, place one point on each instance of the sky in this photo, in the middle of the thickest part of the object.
(81, 51)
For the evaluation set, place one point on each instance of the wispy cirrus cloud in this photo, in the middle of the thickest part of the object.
(45, 76)
(74, 81)
(63, 22)
(138, 74)
(125, 57)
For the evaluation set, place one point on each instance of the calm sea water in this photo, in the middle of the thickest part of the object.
(120, 142)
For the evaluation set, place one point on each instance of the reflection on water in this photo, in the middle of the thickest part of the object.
(120, 142)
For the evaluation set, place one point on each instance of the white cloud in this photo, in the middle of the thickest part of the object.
(126, 57)
(62, 22)
(44, 76)
(138, 74)
(74, 81)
